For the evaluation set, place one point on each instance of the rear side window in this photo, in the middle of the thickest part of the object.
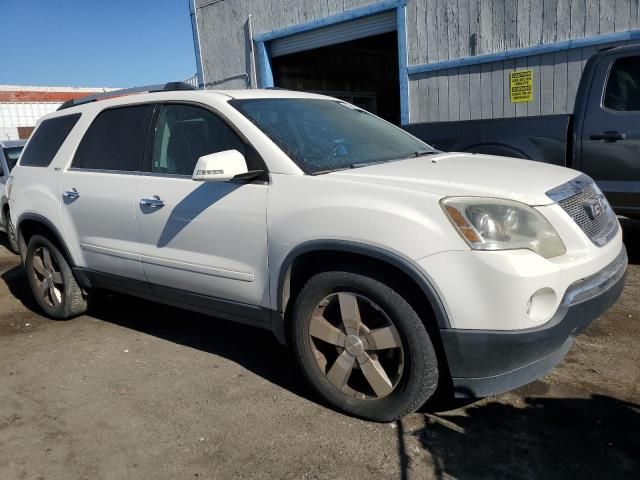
(11, 155)
(116, 140)
(623, 86)
(47, 140)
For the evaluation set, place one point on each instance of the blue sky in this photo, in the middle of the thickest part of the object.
(94, 43)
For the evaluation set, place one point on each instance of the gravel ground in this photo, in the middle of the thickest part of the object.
(139, 390)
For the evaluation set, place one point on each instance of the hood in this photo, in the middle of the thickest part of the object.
(467, 174)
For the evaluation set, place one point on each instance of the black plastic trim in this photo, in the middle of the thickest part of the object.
(394, 259)
(212, 306)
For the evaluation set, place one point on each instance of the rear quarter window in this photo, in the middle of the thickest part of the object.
(47, 140)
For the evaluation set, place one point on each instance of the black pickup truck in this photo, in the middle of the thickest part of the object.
(601, 138)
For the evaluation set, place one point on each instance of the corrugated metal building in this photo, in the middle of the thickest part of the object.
(412, 60)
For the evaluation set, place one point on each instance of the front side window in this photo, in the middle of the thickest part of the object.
(623, 85)
(185, 133)
(12, 154)
(47, 140)
(116, 140)
(321, 135)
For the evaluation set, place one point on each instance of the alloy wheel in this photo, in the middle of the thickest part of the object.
(356, 346)
(48, 276)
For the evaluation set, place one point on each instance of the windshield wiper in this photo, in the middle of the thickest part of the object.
(375, 162)
(423, 153)
(328, 170)
(366, 164)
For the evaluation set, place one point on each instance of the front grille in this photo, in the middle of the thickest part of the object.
(600, 229)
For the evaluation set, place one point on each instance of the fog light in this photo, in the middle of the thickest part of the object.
(542, 305)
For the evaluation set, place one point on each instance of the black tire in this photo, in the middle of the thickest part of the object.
(419, 376)
(71, 301)
(12, 235)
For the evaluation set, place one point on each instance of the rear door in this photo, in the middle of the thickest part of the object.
(98, 191)
(202, 238)
(611, 131)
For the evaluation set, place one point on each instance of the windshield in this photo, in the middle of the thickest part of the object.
(11, 154)
(324, 135)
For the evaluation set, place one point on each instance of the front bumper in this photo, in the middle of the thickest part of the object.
(487, 362)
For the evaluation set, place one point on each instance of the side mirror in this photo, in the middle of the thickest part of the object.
(220, 166)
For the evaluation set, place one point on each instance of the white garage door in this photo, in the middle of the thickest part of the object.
(338, 33)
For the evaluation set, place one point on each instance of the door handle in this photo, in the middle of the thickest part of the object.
(71, 194)
(154, 202)
(609, 136)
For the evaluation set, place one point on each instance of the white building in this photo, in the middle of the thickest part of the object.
(21, 106)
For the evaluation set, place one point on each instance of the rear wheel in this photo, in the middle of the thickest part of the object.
(12, 235)
(51, 280)
(362, 346)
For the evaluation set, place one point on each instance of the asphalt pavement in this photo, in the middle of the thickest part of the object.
(143, 391)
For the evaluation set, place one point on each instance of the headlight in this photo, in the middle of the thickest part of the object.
(496, 224)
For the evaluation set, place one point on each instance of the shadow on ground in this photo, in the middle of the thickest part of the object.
(548, 438)
(631, 235)
(255, 349)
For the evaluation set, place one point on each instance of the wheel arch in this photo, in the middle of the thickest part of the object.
(30, 224)
(359, 253)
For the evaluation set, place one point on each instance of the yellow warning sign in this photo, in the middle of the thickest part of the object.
(521, 86)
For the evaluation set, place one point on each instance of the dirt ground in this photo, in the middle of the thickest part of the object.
(138, 390)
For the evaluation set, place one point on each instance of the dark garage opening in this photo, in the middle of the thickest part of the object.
(363, 72)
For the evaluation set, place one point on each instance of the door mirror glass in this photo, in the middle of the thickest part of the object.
(220, 166)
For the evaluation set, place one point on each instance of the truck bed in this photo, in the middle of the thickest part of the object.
(543, 138)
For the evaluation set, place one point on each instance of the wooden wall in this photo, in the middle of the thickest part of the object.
(446, 30)
(439, 30)
(223, 31)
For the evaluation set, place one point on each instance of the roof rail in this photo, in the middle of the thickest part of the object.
(163, 87)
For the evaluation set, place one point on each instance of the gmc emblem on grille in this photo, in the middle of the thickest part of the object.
(595, 206)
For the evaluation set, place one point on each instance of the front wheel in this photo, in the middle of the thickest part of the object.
(51, 280)
(362, 346)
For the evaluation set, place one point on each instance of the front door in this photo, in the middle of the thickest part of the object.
(202, 238)
(611, 132)
(99, 204)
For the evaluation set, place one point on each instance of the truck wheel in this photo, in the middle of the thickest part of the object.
(12, 235)
(362, 346)
(51, 280)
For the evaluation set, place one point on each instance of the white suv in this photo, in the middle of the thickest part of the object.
(390, 268)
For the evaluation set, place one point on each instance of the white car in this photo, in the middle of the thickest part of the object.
(392, 269)
(9, 153)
